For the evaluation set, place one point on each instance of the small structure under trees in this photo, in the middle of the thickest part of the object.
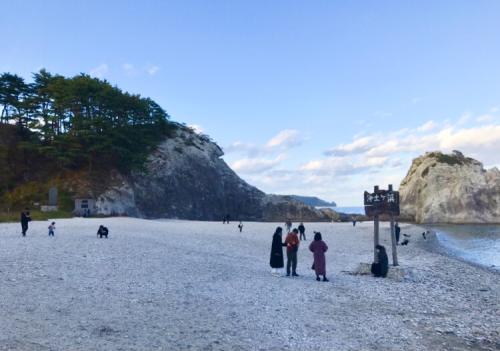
(84, 207)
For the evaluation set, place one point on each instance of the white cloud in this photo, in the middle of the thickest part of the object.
(152, 69)
(99, 71)
(484, 118)
(380, 157)
(359, 145)
(129, 68)
(285, 139)
(416, 100)
(256, 165)
(464, 118)
(430, 125)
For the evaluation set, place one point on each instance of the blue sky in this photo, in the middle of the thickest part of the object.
(321, 98)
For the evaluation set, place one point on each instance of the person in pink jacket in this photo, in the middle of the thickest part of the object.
(318, 247)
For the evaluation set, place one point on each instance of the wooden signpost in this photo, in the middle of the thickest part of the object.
(382, 202)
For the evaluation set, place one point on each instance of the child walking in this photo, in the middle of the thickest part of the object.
(52, 228)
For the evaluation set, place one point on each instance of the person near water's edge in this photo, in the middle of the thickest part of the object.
(397, 230)
(292, 247)
(25, 218)
(288, 225)
(240, 226)
(302, 231)
(381, 265)
(318, 247)
(276, 261)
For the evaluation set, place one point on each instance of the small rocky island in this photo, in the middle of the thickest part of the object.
(450, 188)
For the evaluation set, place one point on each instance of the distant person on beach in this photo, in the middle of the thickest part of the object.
(52, 228)
(424, 234)
(102, 231)
(397, 229)
(288, 225)
(25, 219)
(353, 222)
(381, 264)
(302, 231)
(240, 226)
(276, 261)
(318, 247)
(227, 218)
(292, 247)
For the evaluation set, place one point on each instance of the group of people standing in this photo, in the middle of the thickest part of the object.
(292, 242)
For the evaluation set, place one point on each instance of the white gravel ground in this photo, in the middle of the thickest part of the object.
(181, 285)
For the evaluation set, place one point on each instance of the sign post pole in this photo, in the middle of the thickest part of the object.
(375, 230)
(393, 238)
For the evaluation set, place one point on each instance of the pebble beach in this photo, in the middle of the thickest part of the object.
(187, 285)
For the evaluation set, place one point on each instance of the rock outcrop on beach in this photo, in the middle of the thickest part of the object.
(450, 188)
(187, 178)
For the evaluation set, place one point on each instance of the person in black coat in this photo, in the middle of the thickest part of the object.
(102, 231)
(302, 231)
(397, 229)
(276, 260)
(25, 218)
(381, 265)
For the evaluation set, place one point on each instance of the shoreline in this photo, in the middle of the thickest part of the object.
(432, 245)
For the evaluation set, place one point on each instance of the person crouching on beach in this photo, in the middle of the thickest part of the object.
(292, 247)
(381, 264)
(52, 228)
(276, 260)
(318, 247)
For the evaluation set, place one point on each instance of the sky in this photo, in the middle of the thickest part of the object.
(320, 98)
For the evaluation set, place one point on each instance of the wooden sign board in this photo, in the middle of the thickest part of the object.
(382, 202)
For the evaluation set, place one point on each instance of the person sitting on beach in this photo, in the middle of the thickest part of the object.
(381, 264)
(318, 247)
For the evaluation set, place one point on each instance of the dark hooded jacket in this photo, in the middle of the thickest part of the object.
(276, 260)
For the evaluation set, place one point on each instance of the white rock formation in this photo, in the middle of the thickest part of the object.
(450, 188)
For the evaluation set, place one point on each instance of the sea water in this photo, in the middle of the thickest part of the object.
(479, 244)
(349, 210)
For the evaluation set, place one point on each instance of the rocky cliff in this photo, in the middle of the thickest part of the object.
(450, 188)
(187, 178)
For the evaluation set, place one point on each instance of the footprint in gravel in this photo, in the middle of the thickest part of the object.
(104, 331)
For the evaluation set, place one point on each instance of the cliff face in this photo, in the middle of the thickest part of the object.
(450, 188)
(186, 178)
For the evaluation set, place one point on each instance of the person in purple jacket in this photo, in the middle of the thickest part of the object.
(318, 247)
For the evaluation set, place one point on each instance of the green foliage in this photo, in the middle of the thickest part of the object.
(57, 124)
(448, 159)
(35, 215)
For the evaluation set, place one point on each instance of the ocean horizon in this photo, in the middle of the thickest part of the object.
(360, 210)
